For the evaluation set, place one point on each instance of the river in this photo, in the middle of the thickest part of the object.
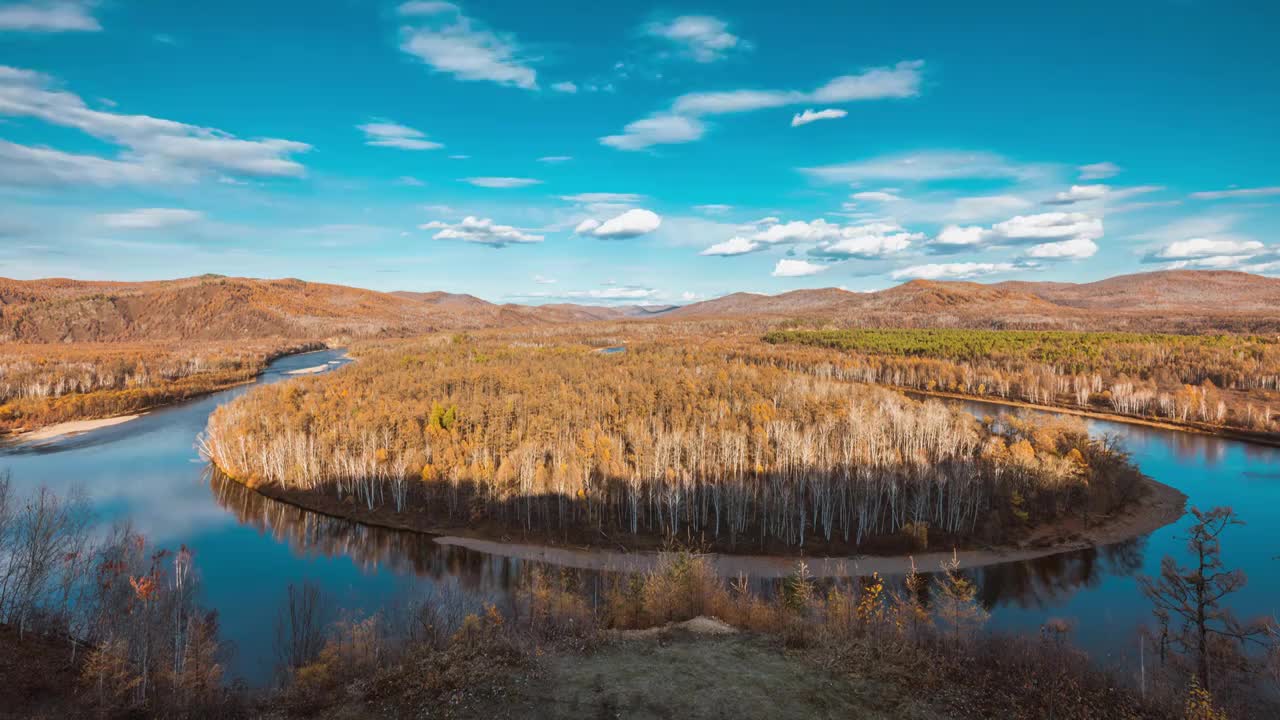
(248, 549)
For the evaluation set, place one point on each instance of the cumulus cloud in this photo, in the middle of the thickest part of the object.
(866, 243)
(1236, 193)
(703, 38)
(808, 116)
(829, 240)
(1216, 253)
(797, 268)
(1196, 248)
(482, 231)
(1055, 235)
(149, 218)
(713, 208)
(1080, 193)
(1049, 226)
(49, 16)
(154, 150)
(736, 245)
(555, 159)
(565, 87)
(632, 223)
(1098, 171)
(926, 166)
(952, 271)
(957, 237)
(1077, 248)
(501, 182)
(385, 133)
(662, 129)
(681, 124)
(438, 34)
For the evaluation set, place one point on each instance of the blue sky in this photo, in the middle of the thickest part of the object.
(627, 152)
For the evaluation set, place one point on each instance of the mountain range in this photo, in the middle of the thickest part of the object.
(212, 307)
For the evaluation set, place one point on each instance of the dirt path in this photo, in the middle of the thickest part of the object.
(682, 674)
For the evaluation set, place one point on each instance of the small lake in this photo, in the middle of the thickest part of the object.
(248, 549)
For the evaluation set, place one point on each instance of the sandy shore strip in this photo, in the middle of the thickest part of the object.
(74, 427)
(308, 370)
(1162, 505)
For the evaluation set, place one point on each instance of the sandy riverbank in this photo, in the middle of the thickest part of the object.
(309, 370)
(1160, 505)
(74, 427)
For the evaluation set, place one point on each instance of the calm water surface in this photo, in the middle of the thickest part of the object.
(249, 549)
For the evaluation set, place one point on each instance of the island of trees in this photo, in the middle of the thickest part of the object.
(665, 441)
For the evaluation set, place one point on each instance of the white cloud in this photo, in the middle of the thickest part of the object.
(1236, 193)
(443, 38)
(1198, 248)
(1056, 235)
(797, 268)
(384, 133)
(875, 196)
(410, 181)
(632, 223)
(656, 130)
(866, 243)
(680, 124)
(713, 208)
(1080, 193)
(603, 197)
(736, 245)
(501, 182)
(1098, 171)
(482, 231)
(1049, 226)
(555, 159)
(983, 207)
(48, 16)
(923, 167)
(1076, 248)
(565, 87)
(900, 81)
(705, 39)
(156, 150)
(954, 236)
(149, 218)
(952, 271)
(611, 294)
(23, 165)
(808, 116)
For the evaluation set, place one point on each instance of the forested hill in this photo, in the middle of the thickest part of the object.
(223, 308)
(1170, 301)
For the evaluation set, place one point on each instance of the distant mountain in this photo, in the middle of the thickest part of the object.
(212, 307)
(1178, 300)
(222, 308)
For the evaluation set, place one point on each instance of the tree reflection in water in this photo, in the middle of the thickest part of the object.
(1042, 582)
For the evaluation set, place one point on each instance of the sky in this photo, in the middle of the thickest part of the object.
(636, 153)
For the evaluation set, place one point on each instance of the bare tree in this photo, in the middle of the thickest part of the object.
(1189, 600)
(300, 627)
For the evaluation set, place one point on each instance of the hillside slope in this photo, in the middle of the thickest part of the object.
(1178, 301)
